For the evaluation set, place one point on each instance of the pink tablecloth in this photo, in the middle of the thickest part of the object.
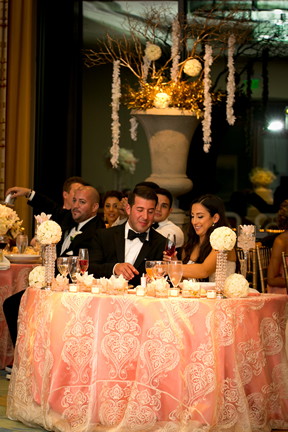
(89, 363)
(11, 281)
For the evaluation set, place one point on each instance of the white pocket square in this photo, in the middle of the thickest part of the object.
(69, 253)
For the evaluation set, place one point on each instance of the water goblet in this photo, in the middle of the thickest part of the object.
(73, 268)
(159, 269)
(175, 272)
(170, 244)
(83, 260)
(21, 243)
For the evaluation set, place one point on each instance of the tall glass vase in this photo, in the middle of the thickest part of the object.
(49, 254)
(221, 267)
(246, 241)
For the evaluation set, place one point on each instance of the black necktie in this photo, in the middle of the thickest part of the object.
(132, 235)
(155, 225)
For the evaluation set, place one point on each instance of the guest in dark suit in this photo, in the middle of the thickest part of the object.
(82, 218)
(123, 249)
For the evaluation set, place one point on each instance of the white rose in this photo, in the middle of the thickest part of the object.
(49, 232)
(162, 100)
(236, 286)
(153, 52)
(37, 277)
(223, 239)
(192, 67)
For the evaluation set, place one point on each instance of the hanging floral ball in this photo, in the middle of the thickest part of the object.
(192, 67)
(153, 52)
(162, 100)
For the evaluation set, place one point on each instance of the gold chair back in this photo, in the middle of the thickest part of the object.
(251, 266)
(263, 255)
(284, 261)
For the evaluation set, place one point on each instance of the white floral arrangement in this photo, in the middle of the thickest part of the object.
(114, 285)
(192, 67)
(10, 223)
(162, 100)
(60, 283)
(236, 286)
(37, 277)
(261, 176)
(223, 239)
(49, 232)
(42, 218)
(153, 52)
(85, 279)
(157, 285)
(248, 229)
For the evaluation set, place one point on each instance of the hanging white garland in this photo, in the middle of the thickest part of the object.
(175, 49)
(206, 122)
(115, 126)
(146, 64)
(133, 129)
(230, 82)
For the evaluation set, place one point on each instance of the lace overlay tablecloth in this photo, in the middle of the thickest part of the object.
(11, 281)
(107, 363)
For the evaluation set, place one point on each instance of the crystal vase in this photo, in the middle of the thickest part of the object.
(49, 254)
(221, 267)
(246, 241)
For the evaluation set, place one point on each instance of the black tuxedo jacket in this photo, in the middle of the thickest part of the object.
(108, 249)
(64, 218)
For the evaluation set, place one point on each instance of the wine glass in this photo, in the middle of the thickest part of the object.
(170, 244)
(62, 265)
(73, 268)
(83, 260)
(4, 240)
(21, 243)
(175, 271)
(148, 267)
(159, 269)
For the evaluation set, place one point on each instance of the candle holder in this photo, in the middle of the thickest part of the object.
(221, 267)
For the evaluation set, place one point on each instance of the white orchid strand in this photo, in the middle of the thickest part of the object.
(206, 122)
(133, 130)
(116, 94)
(230, 82)
(146, 64)
(175, 49)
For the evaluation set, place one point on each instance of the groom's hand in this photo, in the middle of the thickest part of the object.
(127, 270)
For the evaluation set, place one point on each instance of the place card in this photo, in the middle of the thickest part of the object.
(211, 294)
(174, 292)
(95, 289)
(73, 288)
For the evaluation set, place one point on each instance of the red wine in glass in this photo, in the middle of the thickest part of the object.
(170, 244)
(2, 244)
(83, 265)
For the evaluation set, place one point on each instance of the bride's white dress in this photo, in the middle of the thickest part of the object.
(231, 267)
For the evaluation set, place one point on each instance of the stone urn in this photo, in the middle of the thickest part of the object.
(169, 132)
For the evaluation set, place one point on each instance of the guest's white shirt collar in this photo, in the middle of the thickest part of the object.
(81, 224)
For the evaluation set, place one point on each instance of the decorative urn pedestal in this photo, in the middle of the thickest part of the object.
(169, 132)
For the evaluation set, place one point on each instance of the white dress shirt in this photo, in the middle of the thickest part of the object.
(167, 227)
(132, 247)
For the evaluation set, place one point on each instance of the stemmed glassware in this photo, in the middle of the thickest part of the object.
(62, 265)
(83, 260)
(73, 268)
(159, 269)
(170, 244)
(22, 243)
(149, 268)
(175, 272)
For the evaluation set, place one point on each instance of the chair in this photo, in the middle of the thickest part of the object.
(266, 220)
(235, 217)
(284, 261)
(251, 266)
(263, 255)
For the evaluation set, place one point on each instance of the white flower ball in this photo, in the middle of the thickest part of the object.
(49, 232)
(37, 277)
(192, 67)
(162, 100)
(223, 239)
(153, 52)
(236, 286)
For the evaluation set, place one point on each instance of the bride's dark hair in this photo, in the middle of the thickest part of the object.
(213, 205)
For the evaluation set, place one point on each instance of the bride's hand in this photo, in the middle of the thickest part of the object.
(168, 258)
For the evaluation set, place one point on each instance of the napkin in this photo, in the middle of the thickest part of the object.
(5, 264)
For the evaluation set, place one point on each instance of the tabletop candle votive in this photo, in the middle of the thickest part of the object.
(95, 289)
(73, 288)
(174, 292)
(211, 294)
(140, 291)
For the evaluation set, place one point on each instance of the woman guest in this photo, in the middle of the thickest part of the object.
(199, 259)
(276, 280)
(110, 203)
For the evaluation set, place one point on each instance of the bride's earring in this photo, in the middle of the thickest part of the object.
(213, 224)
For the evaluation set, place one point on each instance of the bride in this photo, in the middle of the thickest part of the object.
(199, 259)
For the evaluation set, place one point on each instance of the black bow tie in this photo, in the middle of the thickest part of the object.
(132, 235)
(155, 225)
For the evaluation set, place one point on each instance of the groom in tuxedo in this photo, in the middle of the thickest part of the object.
(78, 224)
(123, 249)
